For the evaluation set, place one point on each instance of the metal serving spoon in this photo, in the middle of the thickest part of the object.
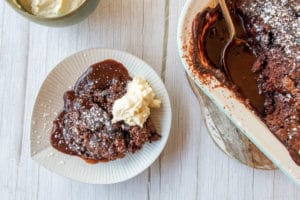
(237, 62)
(233, 39)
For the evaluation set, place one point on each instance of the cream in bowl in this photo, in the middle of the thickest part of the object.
(54, 8)
(56, 13)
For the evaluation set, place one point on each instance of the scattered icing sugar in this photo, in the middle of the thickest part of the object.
(46, 115)
(282, 18)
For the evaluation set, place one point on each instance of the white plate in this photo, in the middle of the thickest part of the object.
(225, 99)
(50, 101)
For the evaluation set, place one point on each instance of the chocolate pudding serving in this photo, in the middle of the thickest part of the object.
(264, 73)
(99, 121)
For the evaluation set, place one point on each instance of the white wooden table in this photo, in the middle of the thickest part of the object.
(191, 166)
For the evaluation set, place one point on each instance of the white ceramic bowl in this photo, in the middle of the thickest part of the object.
(50, 101)
(225, 99)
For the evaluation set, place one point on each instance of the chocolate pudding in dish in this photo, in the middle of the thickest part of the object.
(265, 73)
(99, 121)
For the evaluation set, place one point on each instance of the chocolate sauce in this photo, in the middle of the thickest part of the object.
(240, 60)
(84, 128)
(211, 35)
(215, 40)
(99, 76)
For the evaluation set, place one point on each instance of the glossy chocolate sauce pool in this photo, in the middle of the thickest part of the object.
(211, 35)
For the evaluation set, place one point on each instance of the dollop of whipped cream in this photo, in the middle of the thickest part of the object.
(134, 107)
(54, 8)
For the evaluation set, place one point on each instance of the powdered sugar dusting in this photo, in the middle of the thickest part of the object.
(282, 18)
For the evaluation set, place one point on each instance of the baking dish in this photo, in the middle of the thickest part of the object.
(244, 118)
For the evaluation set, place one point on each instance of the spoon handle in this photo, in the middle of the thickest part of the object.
(227, 17)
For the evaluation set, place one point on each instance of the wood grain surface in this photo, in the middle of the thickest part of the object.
(191, 166)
